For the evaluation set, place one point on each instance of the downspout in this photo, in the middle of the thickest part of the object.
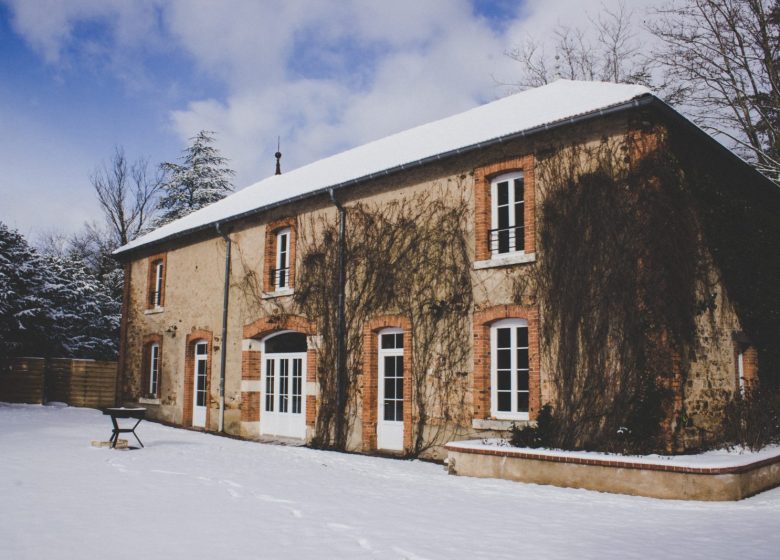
(223, 353)
(341, 378)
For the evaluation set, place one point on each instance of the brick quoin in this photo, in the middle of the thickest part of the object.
(481, 380)
(250, 406)
(370, 380)
(269, 258)
(483, 217)
(250, 364)
(189, 374)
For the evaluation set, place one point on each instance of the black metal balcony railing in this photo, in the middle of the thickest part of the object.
(506, 240)
(280, 278)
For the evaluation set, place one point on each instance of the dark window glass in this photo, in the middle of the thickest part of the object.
(522, 380)
(504, 337)
(502, 190)
(522, 337)
(522, 402)
(504, 380)
(283, 384)
(388, 341)
(503, 217)
(399, 411)
(522, 358)
(389, 388)
(519, 189)
(399, 340)
(504, 359)
(389, 410)
(286, 343)
(504, 401)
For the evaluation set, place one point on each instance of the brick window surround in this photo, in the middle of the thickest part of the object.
(151, 278)
(251, 361)
(196, 335)
(146, 369)
(369, 386)
(269, 254)
(482, 355)
(483, 213)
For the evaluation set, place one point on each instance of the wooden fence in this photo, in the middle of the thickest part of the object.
(87, 383)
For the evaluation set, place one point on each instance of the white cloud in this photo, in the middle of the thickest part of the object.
(323, 75)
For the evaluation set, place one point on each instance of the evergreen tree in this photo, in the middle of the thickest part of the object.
(52, 306)
(202, 179)
(22, 310)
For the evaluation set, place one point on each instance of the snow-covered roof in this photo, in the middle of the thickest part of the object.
(524, 111)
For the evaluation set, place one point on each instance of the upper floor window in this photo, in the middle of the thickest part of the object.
(281, 274)
(509, 369)
(279, 257)
(156, 282)
(507, 195)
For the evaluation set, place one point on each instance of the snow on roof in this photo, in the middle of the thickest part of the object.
(513, 114)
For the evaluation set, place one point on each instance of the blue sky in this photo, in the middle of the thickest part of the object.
(80, 77)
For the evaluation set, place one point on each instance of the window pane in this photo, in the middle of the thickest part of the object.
(504, 360)
(502, 190)
(522, 380)
(522, 337)
(504, 380)
(503, 338)
(389, 388)
(399, 340)
(389, 410)
(388, 341)
(399, 411)
(200, 349)
(519, 189)
(503, 217)
(522, 402)
(399, 388)
(287, 343)
(504, 401)
(522, 358)
(269, 385)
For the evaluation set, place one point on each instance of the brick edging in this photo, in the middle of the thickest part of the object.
(616, 464)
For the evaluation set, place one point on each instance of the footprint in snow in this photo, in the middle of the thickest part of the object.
(271, 499)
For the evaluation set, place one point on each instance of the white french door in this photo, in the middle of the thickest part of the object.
(282, 396)
(390, 416)
(199, 397)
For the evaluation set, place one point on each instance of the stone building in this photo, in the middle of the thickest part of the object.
(214, 335)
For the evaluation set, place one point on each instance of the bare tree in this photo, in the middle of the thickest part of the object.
(610, 52)
(724, 56)
(127, 194)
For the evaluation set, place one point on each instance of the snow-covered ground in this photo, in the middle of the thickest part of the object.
(189, 495)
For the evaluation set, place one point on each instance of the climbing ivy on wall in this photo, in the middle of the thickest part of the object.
(407, 257)
(617, 284)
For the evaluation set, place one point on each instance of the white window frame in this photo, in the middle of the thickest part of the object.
(282, 257)
(390, 433)
(154, 369)
(513, 414)
(159, 271)
(494, 182)
(741, 371)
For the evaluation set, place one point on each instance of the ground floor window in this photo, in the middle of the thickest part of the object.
(509, 394)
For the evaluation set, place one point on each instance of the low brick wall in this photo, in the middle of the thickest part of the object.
(619, 477)
(87, 383)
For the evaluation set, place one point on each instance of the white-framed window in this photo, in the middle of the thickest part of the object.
(509, 369)
(157, 287)
(280, 277)
(154, 369)
(507, 198)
